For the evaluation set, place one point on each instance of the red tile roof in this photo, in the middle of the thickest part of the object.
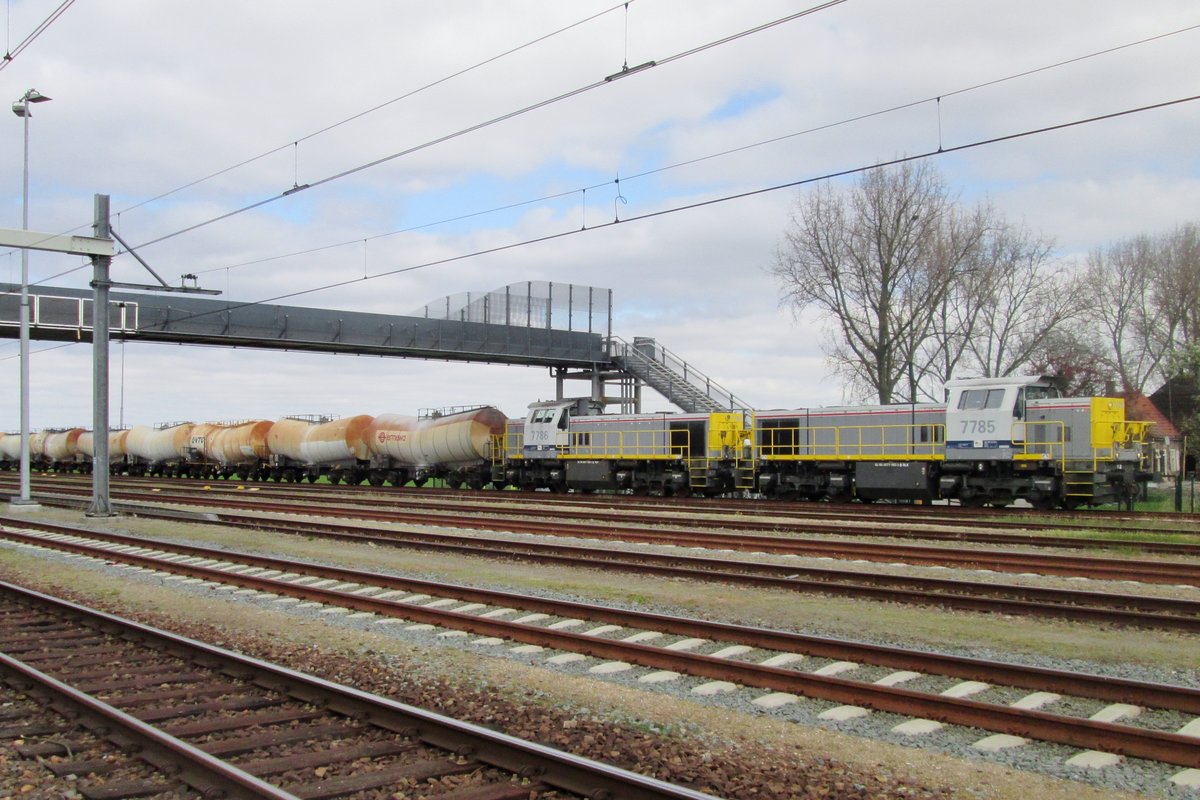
(1138, 407)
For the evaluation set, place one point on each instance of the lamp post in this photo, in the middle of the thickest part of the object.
(21, 109)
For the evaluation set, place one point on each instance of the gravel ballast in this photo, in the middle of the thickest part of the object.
(600, 729)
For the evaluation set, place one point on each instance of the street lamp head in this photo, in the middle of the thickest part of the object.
(21, 107)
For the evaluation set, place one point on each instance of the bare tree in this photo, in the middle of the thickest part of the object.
(1074, 354)
(1120, 280)
(1022, 298)
(878, 261)
(1176, 288)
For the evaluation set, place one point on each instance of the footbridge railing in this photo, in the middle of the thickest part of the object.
(671, 376)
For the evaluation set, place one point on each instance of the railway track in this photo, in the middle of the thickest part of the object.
(176, 712)
(1105, 607)
(1017, 600)
(966, 524)
(1186, 573)
(749, 657)
(897, 525)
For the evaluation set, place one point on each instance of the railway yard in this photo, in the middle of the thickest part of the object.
(271, 640)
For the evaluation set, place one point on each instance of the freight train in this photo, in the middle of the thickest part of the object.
(993, 442)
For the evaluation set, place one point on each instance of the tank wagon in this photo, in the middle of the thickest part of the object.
(306, 447)
(226, 449)
(116, 449)
(37, 441)
(10, 450)
(58, 450)
(452, 444)
(164, 450)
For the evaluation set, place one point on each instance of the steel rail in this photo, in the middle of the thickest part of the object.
(935, 522)
(1003, 561)
(1155, 745)
(1102, 607)
(198, 769)
(562, 770)
(869, 513)
(750, 519)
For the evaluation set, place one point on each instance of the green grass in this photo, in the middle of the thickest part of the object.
(1164, 500)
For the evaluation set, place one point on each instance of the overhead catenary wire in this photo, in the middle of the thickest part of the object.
(9, 55)
(378, 107)
(583, 190)
(656, 170)
(940, 151)
(485, 124)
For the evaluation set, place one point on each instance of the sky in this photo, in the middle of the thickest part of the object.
(185, 112)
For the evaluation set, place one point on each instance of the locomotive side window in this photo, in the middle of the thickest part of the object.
(977, 399)
(932, 433)
(1041, 392)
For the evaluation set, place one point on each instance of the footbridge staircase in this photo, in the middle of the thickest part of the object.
(672, 377)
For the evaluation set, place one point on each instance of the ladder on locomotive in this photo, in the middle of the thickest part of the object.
(743, 473)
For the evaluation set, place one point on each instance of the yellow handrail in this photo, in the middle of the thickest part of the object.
(851, 442)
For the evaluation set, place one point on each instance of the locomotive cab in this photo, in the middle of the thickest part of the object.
(1018, 438)
(548, 425)
(986, 415)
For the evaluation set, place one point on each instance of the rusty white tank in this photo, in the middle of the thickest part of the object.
(116, 444)
(160, 444)
(338, 440)
(37, 441)
(10, 446)
(232, 443)
(61, 446)
(450, 440)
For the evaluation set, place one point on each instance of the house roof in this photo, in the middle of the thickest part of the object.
(1177, 398)
(1142, 408)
